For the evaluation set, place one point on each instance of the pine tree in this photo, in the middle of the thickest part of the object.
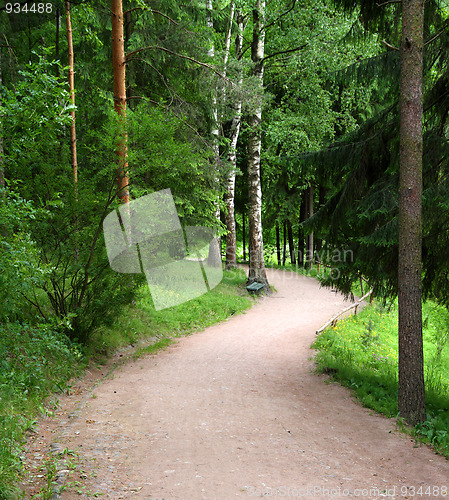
(411, 393)
(119, 70)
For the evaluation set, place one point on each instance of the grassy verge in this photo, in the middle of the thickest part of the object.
(142, 321)
(361, 353)
(38, 361)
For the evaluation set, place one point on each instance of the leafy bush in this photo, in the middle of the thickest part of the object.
(19, 256)
(34, 362)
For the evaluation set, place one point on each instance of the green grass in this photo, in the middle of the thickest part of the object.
(142, 321)
(361, 352)
(36, 362)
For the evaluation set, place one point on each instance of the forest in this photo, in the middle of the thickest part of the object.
(307, 135)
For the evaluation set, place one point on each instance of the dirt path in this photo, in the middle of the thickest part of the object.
(235, 411)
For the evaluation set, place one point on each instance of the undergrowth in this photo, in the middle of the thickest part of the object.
(361, 352)
(38, 361)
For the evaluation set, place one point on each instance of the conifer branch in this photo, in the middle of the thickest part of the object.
(153, 11)
(168, 108)
(188, 58)
(172, 93)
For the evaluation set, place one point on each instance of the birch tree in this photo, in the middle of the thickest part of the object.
(256, 258)
(234, 132)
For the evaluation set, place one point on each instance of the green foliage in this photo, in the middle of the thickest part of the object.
(39, 360)
(35, 361)
(361, 171)
(361, 353)
(19, 256)
(34, 114)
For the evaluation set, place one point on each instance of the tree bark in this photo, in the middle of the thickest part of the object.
(231, 238)
(244, 233)
(72, 97)
(321, 199)
(309, 239)
(119, 71)
(256, 258)
(291, 244)
(278, 243)
(284, 244)
(214, 130)
(302, 218)
(411, 392)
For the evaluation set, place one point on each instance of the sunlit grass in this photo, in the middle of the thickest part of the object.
(142, 321)
(361, 352)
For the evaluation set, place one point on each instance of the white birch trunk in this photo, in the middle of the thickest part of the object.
(231, 238)
(256, 258)
(215, 132)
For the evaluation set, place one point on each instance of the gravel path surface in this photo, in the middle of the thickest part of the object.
(235, 411)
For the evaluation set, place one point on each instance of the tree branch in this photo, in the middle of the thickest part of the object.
(434, 37)
(153, 12)
(284, 52)
(191, 59)
(387, 3)
(390, 46)
(282, 15)
(168, 108)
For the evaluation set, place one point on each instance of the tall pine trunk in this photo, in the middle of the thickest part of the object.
(231, 238)
(411, 393)
(309, 239)
(256, 258)
(72, 97)
(119, 71)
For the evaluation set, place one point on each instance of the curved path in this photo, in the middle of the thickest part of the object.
(235, 411)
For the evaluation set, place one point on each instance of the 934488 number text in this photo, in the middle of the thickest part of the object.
(32, 8)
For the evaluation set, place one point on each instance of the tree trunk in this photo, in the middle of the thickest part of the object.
(119, 71)
(214, 130)
(244, 233)
(309, 241)
(231, 238)
(284, 244)
(256, 258)
(291, 244)
(302, 218)
(57, 25)
(278, 243)
(411, 397)
(72, 97)
(321, 199)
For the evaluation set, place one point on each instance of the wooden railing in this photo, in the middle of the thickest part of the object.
(334, 319)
